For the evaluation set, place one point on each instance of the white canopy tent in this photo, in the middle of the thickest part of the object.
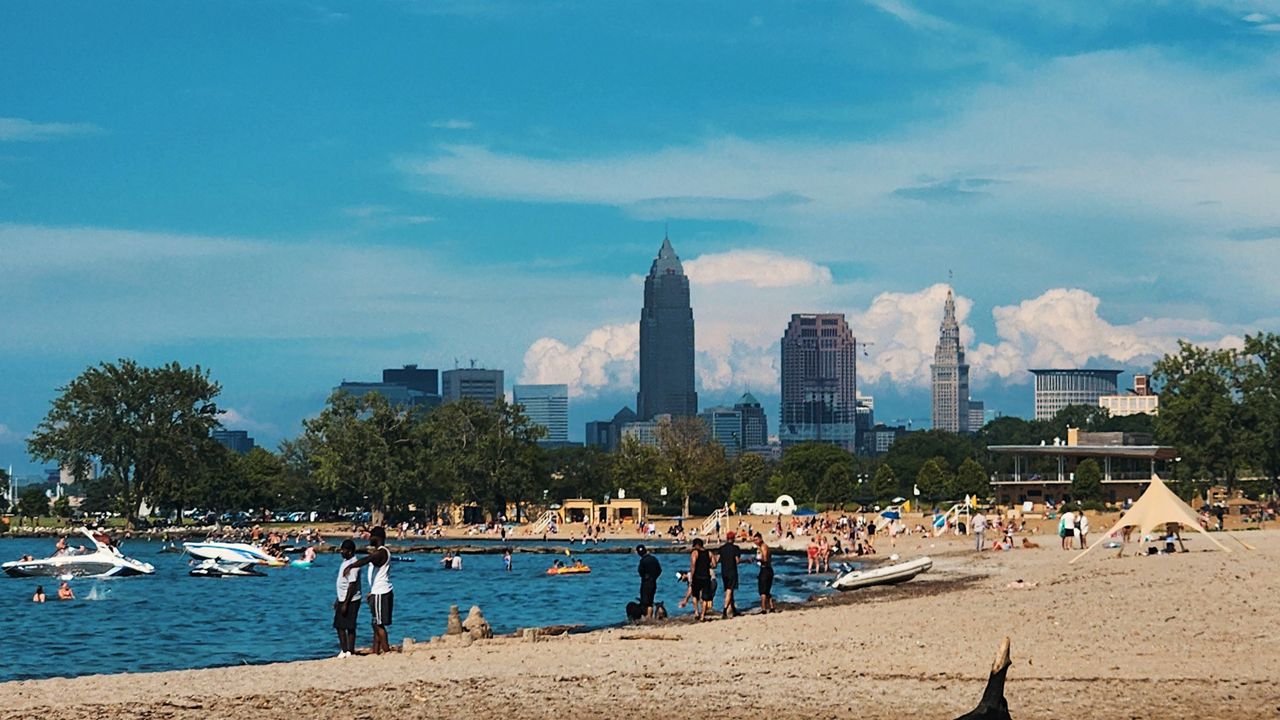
(1157, 507)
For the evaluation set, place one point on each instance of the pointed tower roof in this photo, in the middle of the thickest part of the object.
(949, 312)
(748, 399)
(667, 262)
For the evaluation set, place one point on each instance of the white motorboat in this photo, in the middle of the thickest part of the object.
(883, 575)
(104, 560)
(213, 568)
(229, 552)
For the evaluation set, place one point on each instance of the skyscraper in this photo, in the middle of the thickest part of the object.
(479, 384)
(819, 381)
(666, 341)
(950, 375)
(755, 426)
(548, 406)
(1058, 388)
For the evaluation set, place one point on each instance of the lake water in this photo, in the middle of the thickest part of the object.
(171, 621)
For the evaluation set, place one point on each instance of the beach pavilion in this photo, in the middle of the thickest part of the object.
(1042, 473)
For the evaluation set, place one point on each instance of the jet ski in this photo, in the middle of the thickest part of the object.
(213, 568)
(104, 560)
(231, 552)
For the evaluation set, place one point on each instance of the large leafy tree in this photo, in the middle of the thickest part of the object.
(1260, 397)
(573, 472)
(33, 503)
(752, 471)
(138, 423)
(1198, 411)
(692, 463)
(934, 479)
(884, 484)
(483, 452)
(365, 452)
(971, 479)
(635, 468)
(1086, 482)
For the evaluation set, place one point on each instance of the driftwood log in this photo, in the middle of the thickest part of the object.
(993, 705)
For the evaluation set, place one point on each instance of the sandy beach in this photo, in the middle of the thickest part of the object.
(1137, 637)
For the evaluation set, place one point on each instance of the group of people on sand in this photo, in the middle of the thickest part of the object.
(700, 576)
(380, 597)
(1073, 529)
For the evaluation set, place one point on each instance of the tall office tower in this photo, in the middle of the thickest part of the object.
(482, 385)
(755, 426)
(724, 425)
(423, 380)
(548, 406)
(237, 441)
(950, 375)
(666, 341)
(819, 381)
(1056, 389)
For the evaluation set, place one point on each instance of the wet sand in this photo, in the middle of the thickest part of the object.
(1139, 637)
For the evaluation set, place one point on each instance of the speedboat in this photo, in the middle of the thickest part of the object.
(213, 568)
(883, 575)
(105, 560)
(229, 552)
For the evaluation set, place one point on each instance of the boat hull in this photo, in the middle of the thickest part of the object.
(230, 553)
(76, 568)
(886, 575)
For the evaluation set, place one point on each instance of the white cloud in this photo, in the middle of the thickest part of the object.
(453, 124)
(903, 329)
(760, 268)
(606, 358)
(6, 435)
(18, 129)
(1062, 328)
(234, 419)
(1256, 17)
(383, 215)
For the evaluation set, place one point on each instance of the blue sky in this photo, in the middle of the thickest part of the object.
(292, 193)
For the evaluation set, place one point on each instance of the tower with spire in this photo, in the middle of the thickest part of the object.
(950, 375)
(666, 340)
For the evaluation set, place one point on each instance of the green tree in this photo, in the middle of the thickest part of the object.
(574, 472)
(741, 495)
(1198, 412)
(884, 484)
(483, 452)
(62, 508)
(692, 463)
(635, 467)
(752, 470)
(971, 479)
(811, 461)
(32, 503)
(137, 422)
(365, 451)
(1086, 482)
(1260, 398)
(784, 483)
(934, 480)
(910, 452)
(836, 486)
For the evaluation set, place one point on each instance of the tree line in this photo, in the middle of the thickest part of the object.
(147, 432)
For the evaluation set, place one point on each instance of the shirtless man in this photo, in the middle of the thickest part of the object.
(765, 582)
(64, 592)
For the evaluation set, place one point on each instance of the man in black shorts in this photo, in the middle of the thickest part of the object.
(650, 570)
(701, 584)
(347, 606)
(765, 582)
(727, 557)
(380, 590)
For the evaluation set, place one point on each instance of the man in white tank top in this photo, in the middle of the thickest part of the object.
(380, 598)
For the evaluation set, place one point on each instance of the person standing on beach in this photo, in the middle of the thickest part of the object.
(764, 583)
(1082, 529)
(380, 596)
(728, 558)
(979, 524)
(347, 606)
(1068, 527)
(700, 588)
(650, 570)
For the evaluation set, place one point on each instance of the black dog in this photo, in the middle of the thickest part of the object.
(635, 611)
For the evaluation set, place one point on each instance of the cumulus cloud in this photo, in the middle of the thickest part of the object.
(1062, 328)
(20, 130)
(608, 357)
(760, 268)
(902, 328)
(234, 419)
(7, 435)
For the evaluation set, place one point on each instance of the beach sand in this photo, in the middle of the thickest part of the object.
(1191, 635)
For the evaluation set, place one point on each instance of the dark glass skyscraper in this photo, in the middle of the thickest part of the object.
(819, 381)
(666, 341)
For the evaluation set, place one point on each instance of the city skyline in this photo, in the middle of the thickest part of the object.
(287, 220)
